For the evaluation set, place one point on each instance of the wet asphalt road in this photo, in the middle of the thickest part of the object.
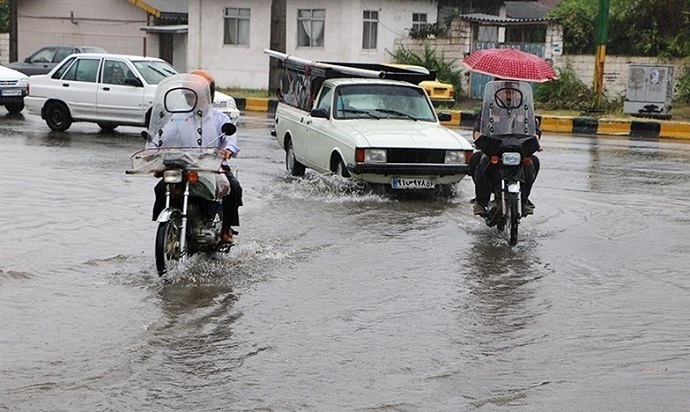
(342, 299)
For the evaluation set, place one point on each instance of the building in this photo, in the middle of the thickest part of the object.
(115, 25)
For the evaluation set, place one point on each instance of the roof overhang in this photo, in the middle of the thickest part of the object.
(173, 29)
(490, 19)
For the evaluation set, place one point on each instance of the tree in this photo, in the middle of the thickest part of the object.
(636, 27)
(4, 16)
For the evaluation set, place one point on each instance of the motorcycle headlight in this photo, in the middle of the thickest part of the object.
(511, 159)
(172, 176)
(454, 156)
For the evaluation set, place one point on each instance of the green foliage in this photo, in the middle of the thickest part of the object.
(566, 93)
(432, 61)
(682, 92)
(4, 16)
(636, 27)
(428, 30)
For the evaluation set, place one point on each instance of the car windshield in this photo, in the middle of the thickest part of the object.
(382, 101)
(94, 50)
(154, 71)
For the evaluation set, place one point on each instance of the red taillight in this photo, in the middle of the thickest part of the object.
(495, 159)
(452, 93)
(468, 154)
(527, 161)
(158, 174)
(359, 155)
(192, 176)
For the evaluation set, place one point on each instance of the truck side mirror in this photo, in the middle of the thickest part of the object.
(321, 113)
(444, 117)
(134, 82)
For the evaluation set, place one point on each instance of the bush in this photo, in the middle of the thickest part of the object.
(432, 61)
(566, 93)
(682, 92)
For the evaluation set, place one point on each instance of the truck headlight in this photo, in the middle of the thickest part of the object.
(455, 156)
(370, 155)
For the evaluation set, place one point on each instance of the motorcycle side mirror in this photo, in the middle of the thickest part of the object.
(145, 134)
(228, 129)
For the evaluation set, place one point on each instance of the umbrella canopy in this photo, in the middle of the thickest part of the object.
(510, 64)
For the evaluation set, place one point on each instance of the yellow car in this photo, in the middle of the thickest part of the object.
(438, 92)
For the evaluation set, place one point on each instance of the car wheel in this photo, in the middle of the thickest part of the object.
(338, 167)
(14, 108)
(107, 127)
(58, 117)
(293, 165)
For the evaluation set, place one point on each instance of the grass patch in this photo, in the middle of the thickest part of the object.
(259, 93)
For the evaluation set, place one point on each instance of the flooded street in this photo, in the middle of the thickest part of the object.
(342, 299)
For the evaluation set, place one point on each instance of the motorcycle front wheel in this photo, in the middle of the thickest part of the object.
(512, 218)
(168, 244)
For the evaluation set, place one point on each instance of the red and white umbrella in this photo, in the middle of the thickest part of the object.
(510, 64)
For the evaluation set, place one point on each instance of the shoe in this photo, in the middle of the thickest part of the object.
(527, 208)
(479, 209)
(226, 235)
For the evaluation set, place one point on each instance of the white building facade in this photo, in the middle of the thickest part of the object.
(228, 38)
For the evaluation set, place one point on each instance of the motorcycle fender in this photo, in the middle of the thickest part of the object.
(167, 214)
(514, 187)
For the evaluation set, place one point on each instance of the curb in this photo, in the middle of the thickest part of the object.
(648, 128)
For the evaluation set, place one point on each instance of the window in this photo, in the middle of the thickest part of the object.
(418, 21)
(115, 72)
(44, 55)
(62, 52)
(310, 27)
(370, 31)
(236, 30)
(83, 70)
(59, 72)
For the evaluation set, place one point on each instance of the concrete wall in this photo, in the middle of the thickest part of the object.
(615, 70)
(83, 22)
(4, 48)
(457, 45)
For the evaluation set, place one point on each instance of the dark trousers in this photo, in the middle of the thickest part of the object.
(485, 177)
(231, 202)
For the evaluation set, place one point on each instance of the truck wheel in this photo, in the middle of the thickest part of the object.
(338, 167)
(58, 117)
(293, 166)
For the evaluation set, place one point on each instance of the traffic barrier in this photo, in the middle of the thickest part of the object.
(647, 128)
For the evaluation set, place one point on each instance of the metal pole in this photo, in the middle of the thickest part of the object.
(601, 51)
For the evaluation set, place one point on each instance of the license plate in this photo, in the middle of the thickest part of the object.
(412, 183)
(11, 92)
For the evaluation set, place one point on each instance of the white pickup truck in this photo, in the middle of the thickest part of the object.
(374, 130)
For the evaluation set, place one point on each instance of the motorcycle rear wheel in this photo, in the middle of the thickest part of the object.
(168, 244)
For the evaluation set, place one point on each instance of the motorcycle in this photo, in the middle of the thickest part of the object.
(195, 183)
(508, 139)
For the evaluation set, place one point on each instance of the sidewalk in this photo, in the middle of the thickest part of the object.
(642, 128)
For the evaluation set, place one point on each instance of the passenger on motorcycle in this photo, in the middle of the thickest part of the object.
(184, 130)
(482, 175)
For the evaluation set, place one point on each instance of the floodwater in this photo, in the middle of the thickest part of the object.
(342, 299)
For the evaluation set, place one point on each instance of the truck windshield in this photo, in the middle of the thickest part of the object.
(393, 101)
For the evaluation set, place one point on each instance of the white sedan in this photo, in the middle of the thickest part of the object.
(107, 89)
(13, 87)
(227, 105)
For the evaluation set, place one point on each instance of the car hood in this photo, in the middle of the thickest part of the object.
(403, 133)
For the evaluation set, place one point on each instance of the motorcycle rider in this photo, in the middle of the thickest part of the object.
(185, 133)
(483, 178)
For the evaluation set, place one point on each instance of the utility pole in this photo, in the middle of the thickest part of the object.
(601, 52)
(14, 52)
